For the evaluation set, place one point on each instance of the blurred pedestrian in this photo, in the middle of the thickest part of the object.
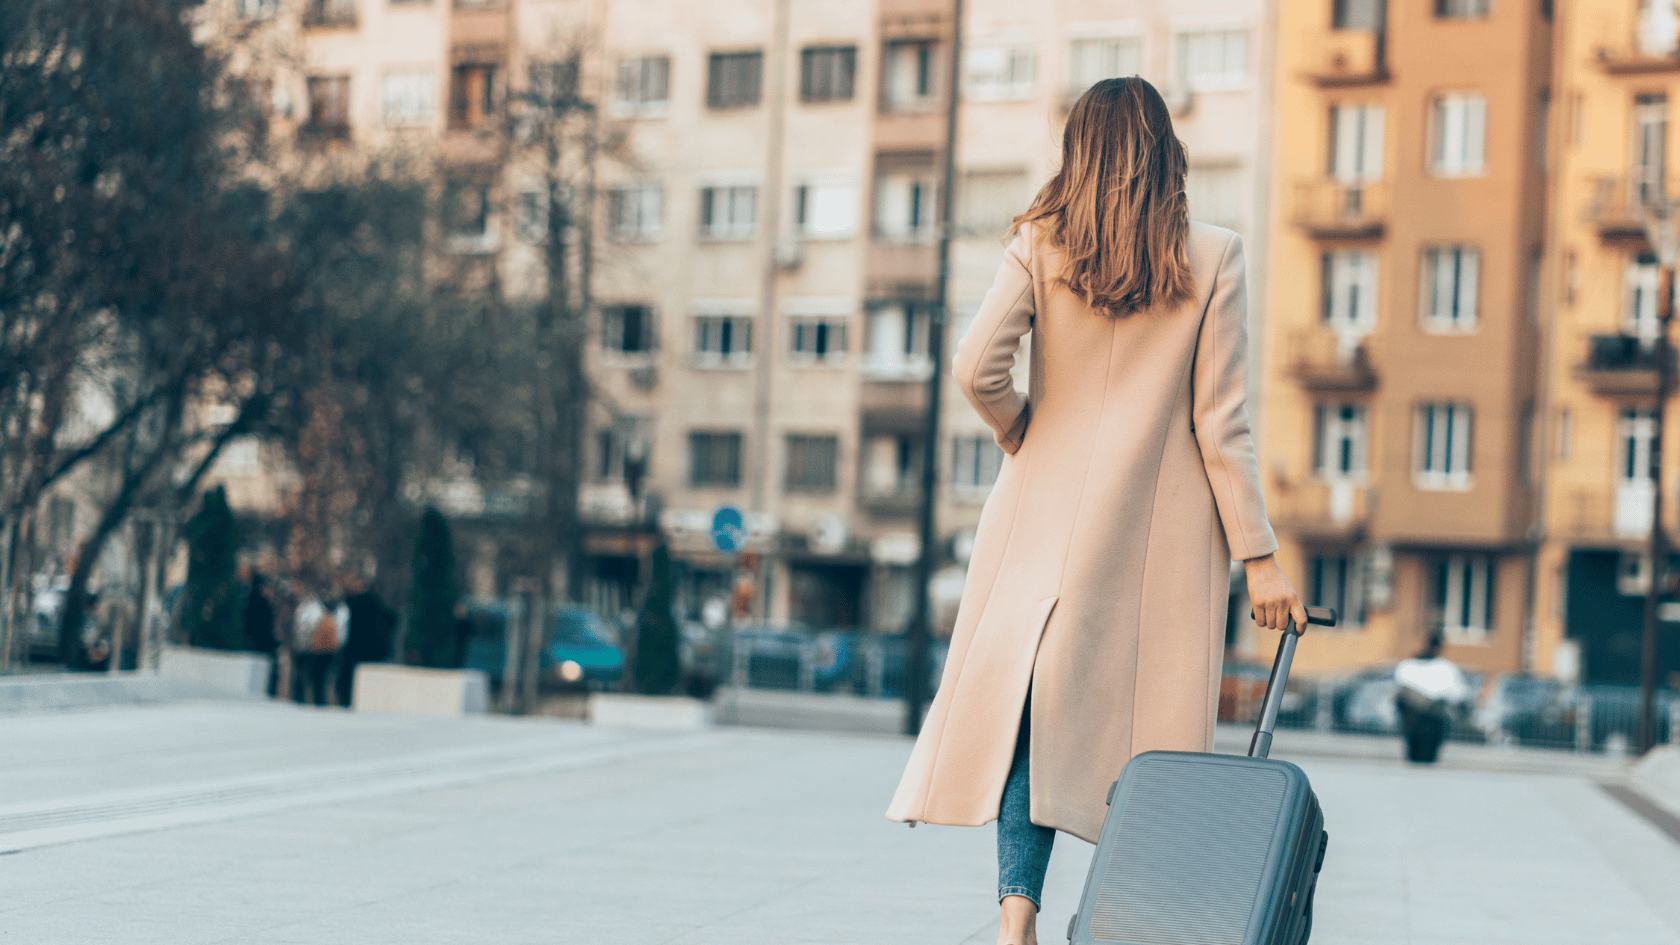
(1092, 619)
(368, 637)
(1429, 686)
(259, 626)
(316, 638)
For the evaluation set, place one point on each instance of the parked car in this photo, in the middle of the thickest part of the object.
(1242, 690)
(575, 651)
(699, 650)
(1521, 708)
(790, 656)
(881, 664)
(1613, 714)
(1364, 703)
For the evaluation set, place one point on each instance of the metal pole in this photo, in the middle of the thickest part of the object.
(1659, 550)
(915, 686)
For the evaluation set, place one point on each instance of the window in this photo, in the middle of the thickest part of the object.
(1349, 303)
(1636, 456)
(644, 84)
(1210, 60)
(906, 206)
(722, 340)
(897, 342)
(1338, 581)
(1092, 60)
(733, 80)
(1357, 14)
(621, 450)
(728, 212)
(825, 209)
(329, 13)
(811, 461)
(1450, 279)
(407, 98)
(1640, 288)
(975, 461)
(1658, 27)
(1528, 434)
(258, 9)
(827, 73)
(1356, 143)
(908, 76)
(1000, 73)
(472, 95)
(1461, 9)
(821, 340)
(635, 212)
(714, 459)
(1650, 147)
(329, 106)
(1215, 193)
(1542, 129)
(628, 329)
(1464, 586)
(466, 216)
(1443, 446)
(1459, 126)
(892, 466)
(989, 201)
(1340, 441)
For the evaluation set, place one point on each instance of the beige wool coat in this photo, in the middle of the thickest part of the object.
(1101, 565)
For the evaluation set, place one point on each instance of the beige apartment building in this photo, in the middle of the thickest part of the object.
(1618, 73)
(1403, 322)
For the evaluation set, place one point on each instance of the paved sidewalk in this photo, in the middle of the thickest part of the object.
(272, 824)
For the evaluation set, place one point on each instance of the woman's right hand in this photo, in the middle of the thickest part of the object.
(1272, 596)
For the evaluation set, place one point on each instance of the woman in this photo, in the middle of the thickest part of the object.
(1093, 617)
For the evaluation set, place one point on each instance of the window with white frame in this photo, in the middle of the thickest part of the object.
(1211, 60)
(1464, 593)
(1458, 125)
(1000, 73)
(1650, 146)
(898, 335)
(1658, 28)
(1451, 278)
(1091, 60)
(825, 209)
(909, 75)
(1348, 305)
(1340, 441)
(635, 212)
(989, 200)
(1338, 580)
(1461, 9)
(1636, 456)
(643, 84)
(817, 339)
(628, 329)
(258, 9)
(728, 212)
(906, 205)
(1215, 194)
(1356, 143)
(1443, 446)
(722, 340)
(975, 461)
(408, 99)
(1640, 288)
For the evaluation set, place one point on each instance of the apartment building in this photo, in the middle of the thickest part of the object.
(1403, 343)
(1617, 73)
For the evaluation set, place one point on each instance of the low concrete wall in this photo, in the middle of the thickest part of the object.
(819, 711)
(58, 692)
(219, 671)
(1657, 775)
(662, 712)
(414, 690)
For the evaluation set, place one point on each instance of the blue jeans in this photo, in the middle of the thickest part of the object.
(1023, 846)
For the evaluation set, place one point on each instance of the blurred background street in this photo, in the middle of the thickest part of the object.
(201, 823)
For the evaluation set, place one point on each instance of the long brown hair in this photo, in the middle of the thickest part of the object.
(1117, 207)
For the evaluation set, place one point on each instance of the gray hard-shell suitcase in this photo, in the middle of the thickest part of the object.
(1209, 849)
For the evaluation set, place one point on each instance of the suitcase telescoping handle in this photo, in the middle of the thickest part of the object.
(1261, 746)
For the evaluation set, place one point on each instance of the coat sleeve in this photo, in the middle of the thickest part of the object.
(1220, 410)
(986, 354)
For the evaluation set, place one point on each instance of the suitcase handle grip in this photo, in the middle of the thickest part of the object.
(1261, 745)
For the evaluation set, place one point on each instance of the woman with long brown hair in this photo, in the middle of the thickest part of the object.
(1093, 617)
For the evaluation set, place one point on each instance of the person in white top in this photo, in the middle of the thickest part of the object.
(317, 634)
(1429, 685)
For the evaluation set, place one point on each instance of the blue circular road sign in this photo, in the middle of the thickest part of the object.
(729, 529)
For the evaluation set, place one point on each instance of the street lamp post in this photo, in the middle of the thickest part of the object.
(1661, 233)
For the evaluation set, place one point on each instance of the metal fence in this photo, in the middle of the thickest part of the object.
(857, 664)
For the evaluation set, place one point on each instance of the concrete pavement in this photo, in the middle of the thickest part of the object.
(272, 824)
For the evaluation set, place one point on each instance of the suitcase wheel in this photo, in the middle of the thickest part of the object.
(1110, 799)
(1072, 920)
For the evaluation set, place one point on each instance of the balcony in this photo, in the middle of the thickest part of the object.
(1318, 510)
(330, 14)
(1347, 58)
(1651, 50)
(1616, 209)
(1341, 210)
(1328, 363)
(1620, 365)
(1618, 515)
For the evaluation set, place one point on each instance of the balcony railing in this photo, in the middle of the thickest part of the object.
(1621, 364)
(330, 14)
(1334, 209)
(1324, 510)
(1349, 57)
(1615, 209)
(1608, 515)
(1651, 48)
(1322, 361)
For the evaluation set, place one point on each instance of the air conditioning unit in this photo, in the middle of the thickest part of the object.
(789, 254)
